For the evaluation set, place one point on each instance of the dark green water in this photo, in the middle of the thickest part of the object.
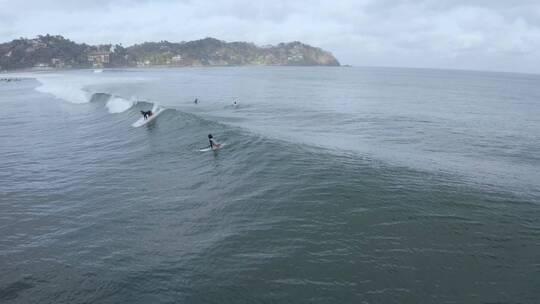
(335, 186)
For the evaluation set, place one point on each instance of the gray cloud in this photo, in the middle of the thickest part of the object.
(474, 34)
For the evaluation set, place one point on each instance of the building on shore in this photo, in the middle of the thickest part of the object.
(41, 65)
(58, 63)
(99, 59)
(177, 59)
(144, 63)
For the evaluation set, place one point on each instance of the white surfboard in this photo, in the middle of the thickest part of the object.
(210, 149)
(142, 121)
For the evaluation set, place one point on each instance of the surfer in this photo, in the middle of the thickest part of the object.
(196, 101)
(213, 144)
(146, 114)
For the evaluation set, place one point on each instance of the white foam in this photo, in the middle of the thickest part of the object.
(118, 104)
(66, 90)
(71, 86)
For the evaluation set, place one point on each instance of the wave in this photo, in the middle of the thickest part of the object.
(74, 90)
(117, 104)
(68, 91)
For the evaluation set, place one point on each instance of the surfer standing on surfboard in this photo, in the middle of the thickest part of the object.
(213, 144)
(146, 114)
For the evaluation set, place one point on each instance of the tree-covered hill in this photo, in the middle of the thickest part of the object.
(58, 52)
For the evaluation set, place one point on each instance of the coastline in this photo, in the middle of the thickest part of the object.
(51, 69)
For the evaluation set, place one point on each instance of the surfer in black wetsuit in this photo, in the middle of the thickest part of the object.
(213, 145)
(196, 101)
(211, 140)
(146, 114)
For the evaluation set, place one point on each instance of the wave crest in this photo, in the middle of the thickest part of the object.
(60, 89)
(117, 104)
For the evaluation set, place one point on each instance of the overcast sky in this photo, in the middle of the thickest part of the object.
(467, 34)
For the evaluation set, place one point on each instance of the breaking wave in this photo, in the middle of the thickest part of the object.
(74, 90)
(117, 104)
(68, 91)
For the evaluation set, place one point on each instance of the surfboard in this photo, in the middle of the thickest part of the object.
(142, 121)
(210, 149)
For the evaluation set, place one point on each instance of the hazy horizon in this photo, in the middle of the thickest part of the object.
(469, 35)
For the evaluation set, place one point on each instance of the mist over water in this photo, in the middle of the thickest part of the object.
(336, 185)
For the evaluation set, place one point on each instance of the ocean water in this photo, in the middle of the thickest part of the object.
(336, 185)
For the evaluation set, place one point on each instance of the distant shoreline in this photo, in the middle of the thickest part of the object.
(45, 52)
(37, 70)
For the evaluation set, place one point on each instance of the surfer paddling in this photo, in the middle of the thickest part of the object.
(146, 114)
(213, 144)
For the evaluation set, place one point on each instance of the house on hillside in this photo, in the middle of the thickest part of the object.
(98, 59)
(58, 63)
